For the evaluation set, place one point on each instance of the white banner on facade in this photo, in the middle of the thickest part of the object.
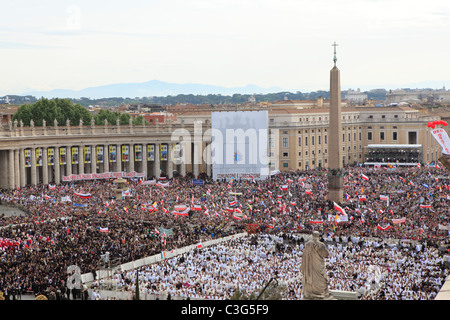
(104, 175)
(239, 144)
(442, 138)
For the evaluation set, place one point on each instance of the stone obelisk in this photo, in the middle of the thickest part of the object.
(335, 167)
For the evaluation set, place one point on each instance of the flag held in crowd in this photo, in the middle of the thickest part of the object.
(339, 208)
(384, 227)
(83, 195)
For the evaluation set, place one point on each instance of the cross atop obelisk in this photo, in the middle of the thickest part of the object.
(335, 163)
(335, 59)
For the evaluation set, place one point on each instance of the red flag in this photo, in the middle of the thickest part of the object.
(338, 208)
(387, 227)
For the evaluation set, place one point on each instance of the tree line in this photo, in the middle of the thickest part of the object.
(65, 109)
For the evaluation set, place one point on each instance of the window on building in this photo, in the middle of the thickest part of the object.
(285, 154)
(325, 139)
(395, 136)
(306, 141)
(285, 142)
(299, 153)
(381, 136)
(299, 141)
(300, 164)
(319, 139)
(369, 136)
(313, 139)
(285, 165)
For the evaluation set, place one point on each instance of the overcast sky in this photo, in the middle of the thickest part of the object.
(49, 44)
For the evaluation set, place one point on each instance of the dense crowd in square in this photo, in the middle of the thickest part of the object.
(36, 248)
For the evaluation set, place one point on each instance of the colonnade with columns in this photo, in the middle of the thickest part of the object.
(49, 161)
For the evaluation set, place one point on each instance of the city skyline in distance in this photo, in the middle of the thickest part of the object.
(285, 44)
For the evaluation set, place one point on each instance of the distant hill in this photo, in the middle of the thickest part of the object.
(150, 89)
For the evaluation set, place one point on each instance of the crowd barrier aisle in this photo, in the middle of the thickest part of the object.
(101, 274)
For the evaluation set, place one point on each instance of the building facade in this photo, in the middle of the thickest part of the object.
(298, 140)
(51, 155)
(418, 95)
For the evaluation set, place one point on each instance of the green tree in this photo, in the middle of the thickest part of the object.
(51, 109)
(124, 118)
(138, 120)
(24, 113)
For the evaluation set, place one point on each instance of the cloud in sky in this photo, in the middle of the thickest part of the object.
(76, 44)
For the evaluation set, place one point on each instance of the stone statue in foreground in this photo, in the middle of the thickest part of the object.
(315, 281)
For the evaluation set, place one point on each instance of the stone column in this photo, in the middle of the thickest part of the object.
(68, 160)
(197, 142)
(169, 160)
(118, 164)
(57, 166)
(22, 167)
(183, 161)
(195, 164)
(33, 166)
(208, 159)
(156, 163)
(16, 168)
(144, 160)
(93, 159)
(11, 171)
(45, 165)
(131, 157)
(185, 156)
(105, 158)
(81, 159)
(335, 165)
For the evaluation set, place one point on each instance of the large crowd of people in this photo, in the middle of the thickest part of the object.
(386, 203)
(248, 264)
